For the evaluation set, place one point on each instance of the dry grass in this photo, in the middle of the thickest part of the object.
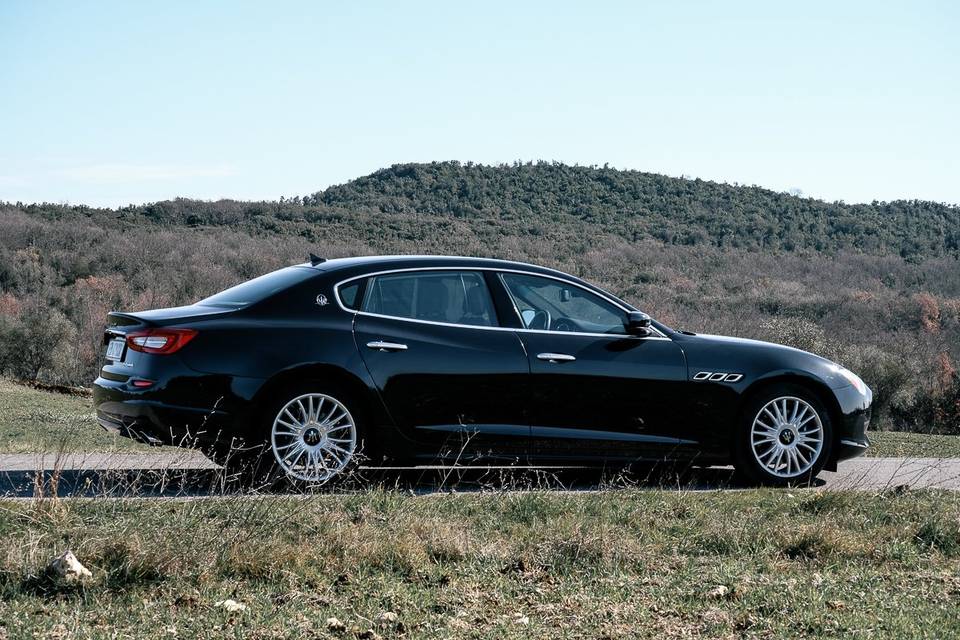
(535, 564)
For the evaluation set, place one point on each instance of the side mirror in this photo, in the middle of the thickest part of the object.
(637, 323)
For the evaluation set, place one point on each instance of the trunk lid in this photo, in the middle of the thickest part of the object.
(163, 317)
(119, 361)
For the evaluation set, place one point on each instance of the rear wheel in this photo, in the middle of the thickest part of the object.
(311, 435)
(784, 437)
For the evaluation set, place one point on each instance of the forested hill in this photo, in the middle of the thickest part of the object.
(636, 204)
(484, 204)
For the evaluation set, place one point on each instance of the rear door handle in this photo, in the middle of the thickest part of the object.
(555, 357)
(380, 345)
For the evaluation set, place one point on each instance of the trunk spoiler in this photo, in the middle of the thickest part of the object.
(121, 323)
(123, 319)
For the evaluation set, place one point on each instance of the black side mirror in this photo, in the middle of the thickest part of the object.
(637, 323)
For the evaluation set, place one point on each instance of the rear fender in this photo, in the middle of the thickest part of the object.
(358, 385)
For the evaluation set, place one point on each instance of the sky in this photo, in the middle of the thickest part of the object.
(111, 103)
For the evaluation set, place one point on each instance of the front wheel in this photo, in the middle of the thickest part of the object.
(784, 437)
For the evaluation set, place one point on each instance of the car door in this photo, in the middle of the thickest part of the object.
(596, 392)
(453, 381)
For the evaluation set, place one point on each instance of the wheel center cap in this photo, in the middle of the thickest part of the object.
(787, 436)
(312, 436)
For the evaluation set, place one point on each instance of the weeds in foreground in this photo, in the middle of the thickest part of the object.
(489, 563)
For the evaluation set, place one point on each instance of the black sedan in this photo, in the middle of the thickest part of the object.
(309, 370)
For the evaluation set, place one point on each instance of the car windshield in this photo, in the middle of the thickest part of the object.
(258, 289)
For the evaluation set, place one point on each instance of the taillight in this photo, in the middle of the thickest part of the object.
(159, 341)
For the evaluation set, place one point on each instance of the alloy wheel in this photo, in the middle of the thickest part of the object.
(787, 437)
(314, 437)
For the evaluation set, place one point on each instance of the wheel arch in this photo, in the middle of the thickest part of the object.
(814, 385)
(367, 399)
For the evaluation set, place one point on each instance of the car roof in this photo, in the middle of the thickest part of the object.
(347, 268)
(362, 264)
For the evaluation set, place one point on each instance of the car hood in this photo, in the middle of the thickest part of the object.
(755, 359)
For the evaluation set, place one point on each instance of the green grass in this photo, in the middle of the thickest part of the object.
(619, 564)
(40, 421)
(893, 444)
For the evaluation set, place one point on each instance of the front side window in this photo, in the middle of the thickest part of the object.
(455, 297)
(552, 305)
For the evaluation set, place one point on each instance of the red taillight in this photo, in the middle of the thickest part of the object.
(159, 341)
(142, 384)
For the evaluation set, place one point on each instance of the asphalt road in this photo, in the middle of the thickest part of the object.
(184, 473)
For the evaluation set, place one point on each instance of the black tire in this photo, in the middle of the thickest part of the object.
(254, 465)
(745, 453)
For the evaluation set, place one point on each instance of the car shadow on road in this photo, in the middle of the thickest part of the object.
(206, 483)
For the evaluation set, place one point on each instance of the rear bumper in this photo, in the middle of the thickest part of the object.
(145, 416)
(159, 424)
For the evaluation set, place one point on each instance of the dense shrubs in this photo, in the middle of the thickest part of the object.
(40, 343)
(936, 411)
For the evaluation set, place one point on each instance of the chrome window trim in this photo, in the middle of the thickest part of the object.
(618, 336)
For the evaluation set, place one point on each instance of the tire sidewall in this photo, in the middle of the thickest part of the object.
(744, 460)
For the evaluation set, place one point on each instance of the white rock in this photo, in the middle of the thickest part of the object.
(231, 606)
(67, 566)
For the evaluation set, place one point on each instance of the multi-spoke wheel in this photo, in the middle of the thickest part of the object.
(785, 436)
(305, 434)
(313, 437)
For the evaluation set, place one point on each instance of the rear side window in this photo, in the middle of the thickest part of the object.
(260, 288)
(348, 295)
(456, 297)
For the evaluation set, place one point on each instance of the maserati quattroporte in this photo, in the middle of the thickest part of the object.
(406, 360)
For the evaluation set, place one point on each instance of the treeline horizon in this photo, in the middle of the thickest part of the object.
(874, 286)
(634, 204)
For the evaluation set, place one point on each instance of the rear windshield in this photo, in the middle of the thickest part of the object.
(259, 289)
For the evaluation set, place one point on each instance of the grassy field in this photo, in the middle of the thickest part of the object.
(33, 421)
(40, 421)
(621, 564)
(889, 444)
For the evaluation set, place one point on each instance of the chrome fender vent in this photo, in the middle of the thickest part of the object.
(716, 376)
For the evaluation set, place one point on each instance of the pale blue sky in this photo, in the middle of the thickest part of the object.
(116, 102)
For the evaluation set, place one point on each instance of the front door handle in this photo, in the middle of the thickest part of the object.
(380, 345)
(555, 357)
